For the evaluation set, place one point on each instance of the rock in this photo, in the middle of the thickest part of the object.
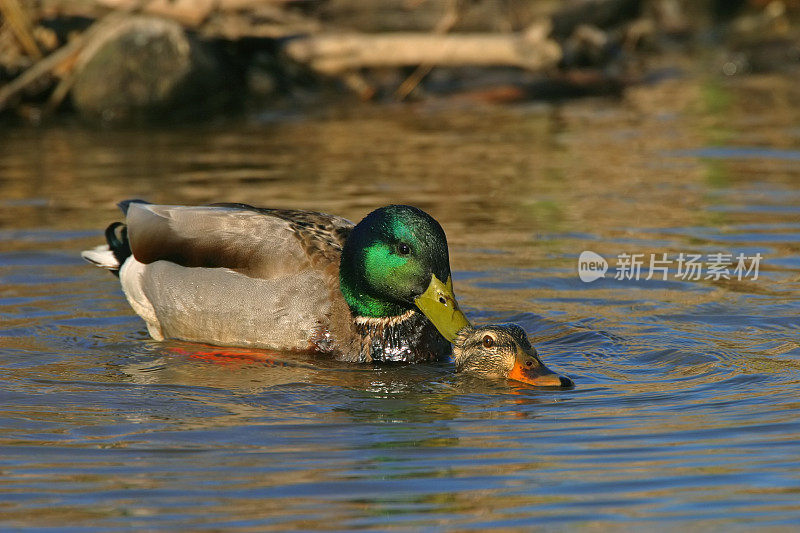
(141, 69)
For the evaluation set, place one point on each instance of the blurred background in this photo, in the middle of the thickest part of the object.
(135, 61)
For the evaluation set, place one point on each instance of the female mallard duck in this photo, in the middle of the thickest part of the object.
(237, 275)
(503, 351)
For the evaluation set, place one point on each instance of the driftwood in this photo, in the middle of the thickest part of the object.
(338, 53)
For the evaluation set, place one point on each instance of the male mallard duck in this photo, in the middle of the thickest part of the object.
(503, 351)
(237, 275)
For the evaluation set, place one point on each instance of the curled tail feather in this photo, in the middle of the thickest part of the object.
(118, 248)
(111, 256)
(117, 238)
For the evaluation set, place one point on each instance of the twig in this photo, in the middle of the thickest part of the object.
(59, 93)
(54, 60)
(415, 78)
(20, 25)
(356, 83)
(43, 67)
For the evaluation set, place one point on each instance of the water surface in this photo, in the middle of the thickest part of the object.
(685, 411)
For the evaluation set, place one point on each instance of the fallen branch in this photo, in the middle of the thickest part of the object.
(336, 54)
(42, 68)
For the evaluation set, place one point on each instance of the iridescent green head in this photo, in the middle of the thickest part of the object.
(396, 259)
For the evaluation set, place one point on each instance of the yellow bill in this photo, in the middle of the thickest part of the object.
(439, 304)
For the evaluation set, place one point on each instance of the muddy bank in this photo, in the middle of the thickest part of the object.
(122, 61)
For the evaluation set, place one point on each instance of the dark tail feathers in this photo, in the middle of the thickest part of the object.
(117, 238)
(117, 233)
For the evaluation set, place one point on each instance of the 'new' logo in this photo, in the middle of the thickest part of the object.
(591, 266)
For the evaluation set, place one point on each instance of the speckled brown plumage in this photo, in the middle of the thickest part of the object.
(503, 351)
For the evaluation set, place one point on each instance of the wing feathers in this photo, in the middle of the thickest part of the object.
(256, 242)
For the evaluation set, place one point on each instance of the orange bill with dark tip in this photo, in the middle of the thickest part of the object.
(537, 374)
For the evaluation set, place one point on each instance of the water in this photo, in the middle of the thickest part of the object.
(685, 411)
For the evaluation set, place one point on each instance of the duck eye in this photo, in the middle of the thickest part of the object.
(403, 249)
(488, 341)
(528, 363)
